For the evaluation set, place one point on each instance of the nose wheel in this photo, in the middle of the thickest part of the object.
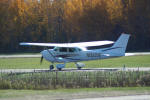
(51, 67)
(79, 68)
(59, 69)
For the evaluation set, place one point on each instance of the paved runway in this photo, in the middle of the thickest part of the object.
(55, 70)
(71, 70)
(134, 97)
(38, 55)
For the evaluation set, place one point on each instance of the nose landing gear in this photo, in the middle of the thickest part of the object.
(51, 67)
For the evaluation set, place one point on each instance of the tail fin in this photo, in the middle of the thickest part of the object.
(120, 45)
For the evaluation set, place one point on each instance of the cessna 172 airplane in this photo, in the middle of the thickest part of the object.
(76, 52)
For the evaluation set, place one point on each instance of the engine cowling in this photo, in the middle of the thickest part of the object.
(80, 65)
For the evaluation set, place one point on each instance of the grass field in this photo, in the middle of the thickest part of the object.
(67, 94)
(27, 63)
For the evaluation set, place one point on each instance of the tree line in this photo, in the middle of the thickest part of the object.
(73, 21)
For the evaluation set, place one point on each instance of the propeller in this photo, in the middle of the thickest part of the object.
(42, 56)
(41, 60)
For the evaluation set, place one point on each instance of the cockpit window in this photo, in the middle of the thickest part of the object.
(56, 49)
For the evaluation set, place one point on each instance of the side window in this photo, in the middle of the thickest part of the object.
(63, 50)
(72, 50)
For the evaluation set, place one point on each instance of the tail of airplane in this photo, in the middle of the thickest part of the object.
(119, 47)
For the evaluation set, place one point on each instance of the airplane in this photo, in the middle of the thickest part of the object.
(63, 53)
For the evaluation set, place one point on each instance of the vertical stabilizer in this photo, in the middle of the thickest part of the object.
(120, 45)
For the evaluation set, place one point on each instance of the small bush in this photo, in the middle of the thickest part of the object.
(144, 80)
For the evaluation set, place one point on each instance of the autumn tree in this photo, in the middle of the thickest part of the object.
(73, 21)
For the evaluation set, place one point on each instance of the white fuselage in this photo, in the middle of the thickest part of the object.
(79, 53)
(83, 55)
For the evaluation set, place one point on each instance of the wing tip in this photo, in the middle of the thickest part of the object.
(23, 43)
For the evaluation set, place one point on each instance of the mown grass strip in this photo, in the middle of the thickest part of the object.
(9, 93)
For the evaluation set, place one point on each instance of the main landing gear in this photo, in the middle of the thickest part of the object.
(79, 65)
(58, 66)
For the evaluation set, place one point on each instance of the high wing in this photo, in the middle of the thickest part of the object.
(79, 44)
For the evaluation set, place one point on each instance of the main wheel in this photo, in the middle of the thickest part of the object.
(59, 69)
(51, 67)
